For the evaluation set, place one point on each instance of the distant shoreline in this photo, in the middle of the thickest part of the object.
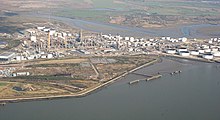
(80, 94)
(188, 58)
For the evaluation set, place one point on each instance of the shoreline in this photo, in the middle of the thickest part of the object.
(82, 93)
(187, 58)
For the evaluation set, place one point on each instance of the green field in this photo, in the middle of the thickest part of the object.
(2, 84)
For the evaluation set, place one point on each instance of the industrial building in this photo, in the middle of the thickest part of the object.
(7, 56)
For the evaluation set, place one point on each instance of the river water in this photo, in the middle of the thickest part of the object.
(193, 94)
(189, 31)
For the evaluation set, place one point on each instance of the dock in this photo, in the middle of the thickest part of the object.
(147, 79)
(154, 77)
(133, 82)
(144, 75)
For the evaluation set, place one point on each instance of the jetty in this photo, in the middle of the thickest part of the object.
(139, 74)
(147, 79)
(154, 77)
(133, 82)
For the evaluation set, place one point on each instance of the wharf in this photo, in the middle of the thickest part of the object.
(154, 77)
(147, 79)
(133, 82)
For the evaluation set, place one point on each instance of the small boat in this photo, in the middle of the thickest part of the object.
(2, 104)
(176, 72)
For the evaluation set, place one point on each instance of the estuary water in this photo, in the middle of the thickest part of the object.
(194, 94)
(189, 31)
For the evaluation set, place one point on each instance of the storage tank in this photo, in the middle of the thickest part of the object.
(194, 52)
(184, 53)
(208, 56)
(171, 51)
(182, 50)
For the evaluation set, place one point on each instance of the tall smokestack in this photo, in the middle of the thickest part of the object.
(48, 41)
(81, 36)
(65, 42)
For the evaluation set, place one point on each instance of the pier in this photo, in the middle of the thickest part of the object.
(153, 77)
(133, 82)
(141, 74)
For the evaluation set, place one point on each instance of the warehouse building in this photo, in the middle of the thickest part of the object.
(7, 56)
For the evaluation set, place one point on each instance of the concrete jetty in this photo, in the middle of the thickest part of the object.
(133, 82)
(147, 79)
(154, 77)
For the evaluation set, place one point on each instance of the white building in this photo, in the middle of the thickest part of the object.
(49, 56)
(216, 54)
(184, 39)
(7, 56)
(182, 50)
(184, 53)
(171, 51)
(52, 32)
(208, 56)
(34, 38)
(40, 28)
(201, 51)
(194, 52)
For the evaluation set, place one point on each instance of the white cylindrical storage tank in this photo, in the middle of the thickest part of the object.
(18, 58)
(52, 32)
(184, 53)
(194, 52)
(182, 50)
(171, 51)
(205, 46)
(216, 54)
(201, 51)
(214, 49)
(34, 38)
(127, 38)
(208, 56)
(207, 50)
(132, 39)
(50, 56)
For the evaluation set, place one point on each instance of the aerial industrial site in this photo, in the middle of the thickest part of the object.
(52, 60)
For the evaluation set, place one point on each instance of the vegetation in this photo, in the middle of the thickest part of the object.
(3, 84)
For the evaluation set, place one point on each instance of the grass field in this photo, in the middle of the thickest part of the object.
(2, 84)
